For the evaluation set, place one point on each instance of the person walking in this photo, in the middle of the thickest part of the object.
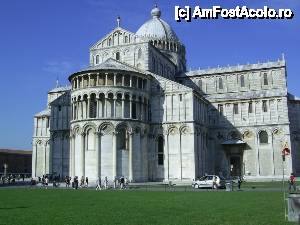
(98, 187)
(214, 186)
(240, 181)
(46, 182)
(105, 183)
(76, 182)
(122, 181)
(82, 182)
(87, 182)
(292, 182)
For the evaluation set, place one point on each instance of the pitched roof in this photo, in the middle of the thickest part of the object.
(15, 151)
(45, 112)
(60, 89)
(112, 64)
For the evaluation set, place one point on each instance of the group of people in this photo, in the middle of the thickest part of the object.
(121, 183)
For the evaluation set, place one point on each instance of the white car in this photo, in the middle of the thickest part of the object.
(208, 182)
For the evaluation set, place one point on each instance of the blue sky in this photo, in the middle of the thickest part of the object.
(43, 40)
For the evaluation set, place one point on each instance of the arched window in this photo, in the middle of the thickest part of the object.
(263, 137)
(93, 106)
(266, 79)
(242, 81)
(109, 42)
(160, 151)
(117, 55)
(220, 83)
(122, 139)
(264, 106)
(97, 59)
(126, 39)
(139, 53)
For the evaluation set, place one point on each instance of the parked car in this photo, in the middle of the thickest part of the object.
(208, 180)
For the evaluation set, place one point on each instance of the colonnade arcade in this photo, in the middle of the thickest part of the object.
(91, 138)
(109, 79)
(110, 105)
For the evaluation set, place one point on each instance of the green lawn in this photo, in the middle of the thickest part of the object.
(39, 206)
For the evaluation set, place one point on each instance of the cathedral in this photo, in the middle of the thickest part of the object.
(137, 112)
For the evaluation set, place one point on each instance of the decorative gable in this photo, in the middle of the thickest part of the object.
(118, 36)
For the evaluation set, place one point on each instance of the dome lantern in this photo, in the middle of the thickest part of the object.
(155, 12)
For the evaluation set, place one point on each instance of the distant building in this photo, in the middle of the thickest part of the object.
(16, 161)
(136, 112)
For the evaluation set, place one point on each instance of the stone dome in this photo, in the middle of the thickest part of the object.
(156, 28)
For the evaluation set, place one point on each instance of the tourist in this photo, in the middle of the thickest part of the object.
(87, 182)
(76, 182)
(292, 182)
(215, 186)
(46, 182)
(115, 182)
(98, 187)
(122, 182)
(105, 183)
(82, 182)
(240, 181)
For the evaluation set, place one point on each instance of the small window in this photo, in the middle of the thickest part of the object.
(266, 82)
(139, 53)
(126, 39)
(242, 81)
(235, 108)
(109, 42)
(118, 56)
(220, 83)
(180, 97)
(59, 108)
(200, 84)
(250, 107)
(220, 109)
(97, 59)
(263, 137)
(264, 106)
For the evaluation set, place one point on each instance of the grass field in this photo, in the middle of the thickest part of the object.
(39, 206)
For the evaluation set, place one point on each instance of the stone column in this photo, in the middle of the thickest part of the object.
(105, 106)
(45, 159)
(115, 78)
(130, 81)
(97, 79)
(71, 156)
(106, 74)
(130, 156)
(77, 83)
(34, 157)
(89, 80)
(123, 99)
(88, 107)
(166, 153)
(123, 83)
(97, 154)
(130, 107)
(97, 107)
(82, 154)
(114, 107)
(114, 163)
